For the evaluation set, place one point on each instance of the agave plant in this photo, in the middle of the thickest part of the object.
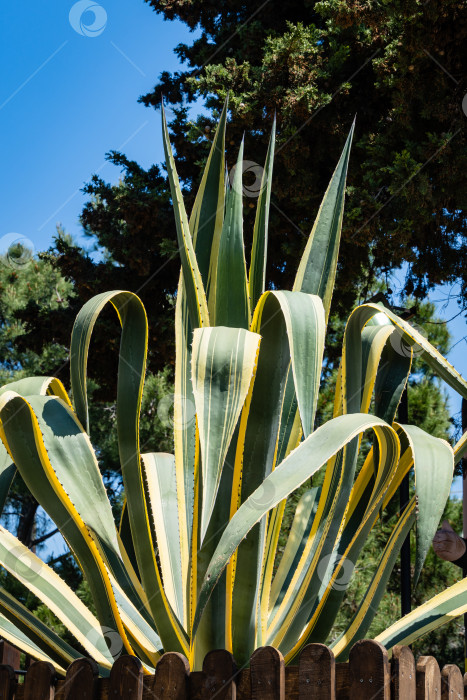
(193, 564)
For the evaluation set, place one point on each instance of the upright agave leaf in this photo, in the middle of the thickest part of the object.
(205, 226)
(317, 270)
(232, 303)
(208, 212)
(195, 293)
(223, 366)
(161, 489)
(257, 278)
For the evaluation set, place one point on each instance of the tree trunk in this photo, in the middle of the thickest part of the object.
(27, 522)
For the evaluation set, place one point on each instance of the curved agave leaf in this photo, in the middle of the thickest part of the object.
(364, 348)
(36, 631)
(56, 463)
(311, 608)
(7, 474)
(374, 343)
(223, 368)
(294, 470)
(368, 607)
(391, 380)
(41, 580)
(26, 443)
(125, 539)
(433, 460)
(429, 353)
(40, 386)
(12, 634)
(254, 460)
(437, 611)
(305, 324)
(50, 386)
(460, 448)
(75, 466)
(132, 361)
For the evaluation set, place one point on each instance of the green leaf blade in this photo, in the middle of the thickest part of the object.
(232, 302)
(223, 366)
(317, 269)
(257, 277)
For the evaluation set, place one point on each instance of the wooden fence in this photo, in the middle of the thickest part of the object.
(369, 675)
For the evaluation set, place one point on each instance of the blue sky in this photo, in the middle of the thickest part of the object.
(69, 94)
(67, 98)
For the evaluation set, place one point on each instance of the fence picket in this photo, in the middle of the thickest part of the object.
(452, 683)
(81, 680)
(9, 655)
(219, 670)
(170, 680)
(7, 682)
(126, 679)
(369, 671)
(267, 674)
(317, 673)
(39, 681)
(342, 681)
(403, 674)
(428, 679)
